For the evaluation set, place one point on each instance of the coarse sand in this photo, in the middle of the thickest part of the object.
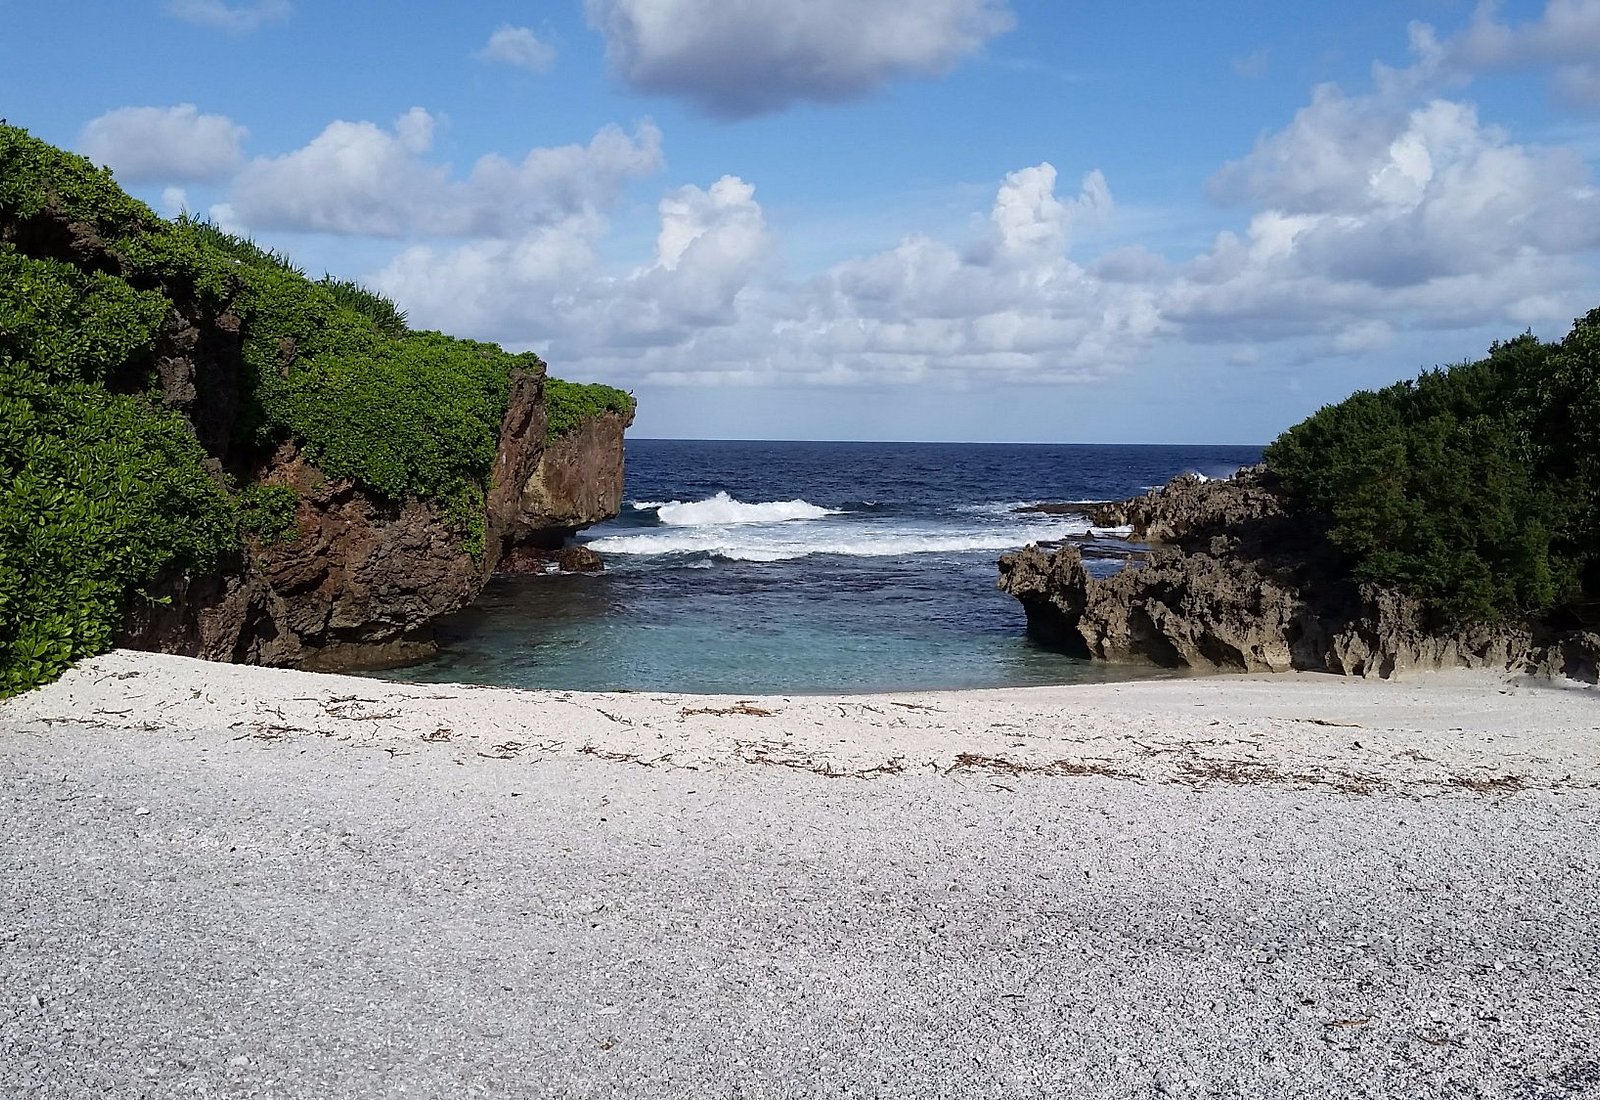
(225, 881)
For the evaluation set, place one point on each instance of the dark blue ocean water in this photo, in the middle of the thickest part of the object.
(758, 567)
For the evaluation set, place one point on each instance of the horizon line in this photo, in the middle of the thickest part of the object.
(923, 442)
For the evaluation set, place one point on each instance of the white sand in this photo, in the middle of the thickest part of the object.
(224, 881)
(1438, 731)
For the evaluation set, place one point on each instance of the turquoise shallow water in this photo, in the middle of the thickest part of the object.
(786, 568)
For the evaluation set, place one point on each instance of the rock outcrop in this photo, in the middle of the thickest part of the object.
(361, 581)
(1241, 586)
(548, 493)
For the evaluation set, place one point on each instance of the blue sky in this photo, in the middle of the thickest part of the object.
(1028, 220)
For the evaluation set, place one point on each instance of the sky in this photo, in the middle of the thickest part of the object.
(1007, 220)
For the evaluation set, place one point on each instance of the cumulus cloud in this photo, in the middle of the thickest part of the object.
(1429, 219)
(1365, 220)
(358, 178)
(518, 46)
(164, 144)
(234, 18)
(1565, 40)
(750, 57)
(1371, 209)
(548, 281)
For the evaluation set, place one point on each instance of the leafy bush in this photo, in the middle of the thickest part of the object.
(98, 494)
(569, 404)
(1458, 487)
(35, 177)
(268, 512)
(1566, 394)
(71, 325)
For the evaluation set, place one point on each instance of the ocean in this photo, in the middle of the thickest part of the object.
(801, 567)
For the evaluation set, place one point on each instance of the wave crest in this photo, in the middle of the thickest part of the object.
(775, 546)
(723, 510)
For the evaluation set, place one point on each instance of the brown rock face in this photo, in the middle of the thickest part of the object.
(358, 586)
(1191, 508)
(1251, 591)
(362, 580)
(576, 482)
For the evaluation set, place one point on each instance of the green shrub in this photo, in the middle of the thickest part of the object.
(1450, 487)
(99, 494)
(385, 316)
(35, 176)
(71, 325)
(1566, 394)
(569, 404)
(268, 512)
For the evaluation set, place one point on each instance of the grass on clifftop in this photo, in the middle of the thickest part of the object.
(105, 489)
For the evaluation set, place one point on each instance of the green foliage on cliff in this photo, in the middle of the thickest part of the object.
(71, 325)
(102, 489)
(569, 404)
(1475, 488)
(99, 493)
(268, 512)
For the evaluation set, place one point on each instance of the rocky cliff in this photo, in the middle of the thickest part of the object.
(204, 452)
(359, 580)
(1236, 583)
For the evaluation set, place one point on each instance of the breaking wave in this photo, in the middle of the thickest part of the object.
(723, 510)
(769, 545)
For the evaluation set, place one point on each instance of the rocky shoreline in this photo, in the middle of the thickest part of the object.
(1233, 581)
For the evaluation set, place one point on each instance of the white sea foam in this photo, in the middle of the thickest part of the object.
(722, 510)
(860, 541)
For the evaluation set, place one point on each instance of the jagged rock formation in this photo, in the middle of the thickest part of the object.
(1242, 586)
(361, 582)
(542, 496)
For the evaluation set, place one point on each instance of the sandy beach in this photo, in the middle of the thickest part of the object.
(229, 881)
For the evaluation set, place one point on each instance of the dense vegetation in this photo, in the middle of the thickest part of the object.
(1475, 488)
(102, 489)
(568, 404)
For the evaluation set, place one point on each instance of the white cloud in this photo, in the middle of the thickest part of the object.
(357, 178)
(1366, 220)
(164, 144)
(519, 46)
(755, 56)
(1375, 209)
(547, 282)
(1565, 40)
(1428, 220)
(234, 18)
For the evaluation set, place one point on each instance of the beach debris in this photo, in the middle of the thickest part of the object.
(1000, 765)
(759, 752)
(625, 757)
(745, 707)
(353, 708)
(1489, 784)
(443, 733)
(265, 731)
(1202, 771)
(506, 750)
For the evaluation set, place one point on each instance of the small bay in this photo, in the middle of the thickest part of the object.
(806, 567)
